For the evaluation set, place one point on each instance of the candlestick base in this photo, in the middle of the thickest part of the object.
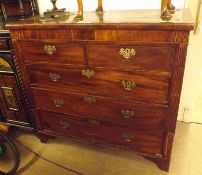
(56, 13)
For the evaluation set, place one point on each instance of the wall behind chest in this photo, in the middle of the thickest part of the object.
(90, 5)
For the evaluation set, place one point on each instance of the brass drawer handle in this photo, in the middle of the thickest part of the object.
(64, 124)
(128, 137)
(54, 77)
(127, 53)
(49, 49)
(58, 102)
(93, 121)
(126, 113)
(128, 85)
(89, 99)
(88, 73)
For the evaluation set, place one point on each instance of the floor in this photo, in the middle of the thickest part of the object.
(91, 160)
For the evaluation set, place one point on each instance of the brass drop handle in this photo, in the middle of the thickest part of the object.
(54, 77)
(64, 124)
(128, 137)
(126, 113)
(89, 99)
(49, 49)
(58, 102)
(93, 121)
(128, 84)
(88, 73)
(127, 53)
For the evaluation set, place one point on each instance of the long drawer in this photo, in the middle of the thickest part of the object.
(130, 56)
(121, 112)
(148, 142)
(53, 52)
(141, 86)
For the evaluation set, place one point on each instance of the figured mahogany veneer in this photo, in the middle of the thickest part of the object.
(143, 115)
(113, 80)
(102, 132)
(64, 53)
(147, 57)
(105, 82)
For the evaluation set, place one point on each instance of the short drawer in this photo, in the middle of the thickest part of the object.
(141, 86)
(118, 111)
(130, 56)
(4, 44)
(53, 52)
(87, 129)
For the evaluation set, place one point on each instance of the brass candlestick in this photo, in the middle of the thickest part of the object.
(54, 5)
(55, 12)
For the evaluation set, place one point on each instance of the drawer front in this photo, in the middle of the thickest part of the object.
(121, 112)
(141, 86)
(4, 44)
(142, 141)
(130, 56)
(53, 52)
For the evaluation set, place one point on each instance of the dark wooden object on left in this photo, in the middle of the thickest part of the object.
(14, 107)
(18, 9)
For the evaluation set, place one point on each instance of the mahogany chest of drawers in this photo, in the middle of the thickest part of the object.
(114, 79)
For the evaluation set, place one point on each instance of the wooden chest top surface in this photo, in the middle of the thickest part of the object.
(134, 19)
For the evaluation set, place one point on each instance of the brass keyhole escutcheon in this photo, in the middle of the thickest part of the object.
(49, 49)
(128, 137)
(88, 73)
(64, 124)
(127, 53)
(89, 99)
(126, 113)
(54, 77)
(58, 102)
(128, 85)
(93, 121)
